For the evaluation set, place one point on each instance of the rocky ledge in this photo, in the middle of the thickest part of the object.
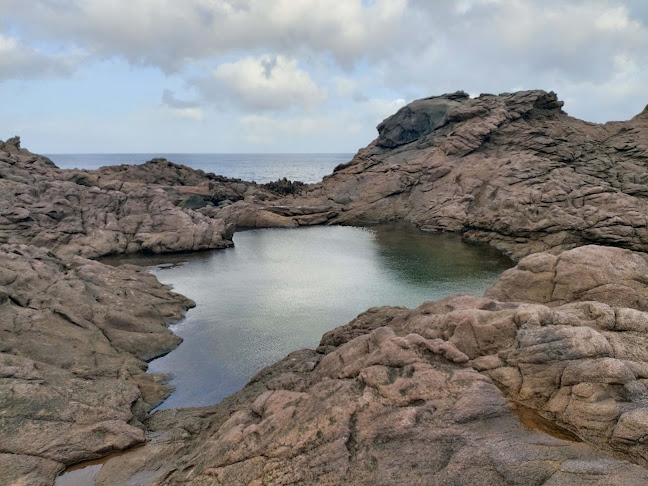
(540, 382)
(157, 207)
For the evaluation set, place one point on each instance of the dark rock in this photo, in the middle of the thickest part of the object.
(284, 186)
(416, 120)
(194, 202)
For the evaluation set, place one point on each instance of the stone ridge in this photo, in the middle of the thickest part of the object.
(113, 210)
(512, 170)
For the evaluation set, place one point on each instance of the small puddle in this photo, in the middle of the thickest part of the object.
(83, 473)
(532, 420)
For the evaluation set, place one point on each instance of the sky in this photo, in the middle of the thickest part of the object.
(255, 76)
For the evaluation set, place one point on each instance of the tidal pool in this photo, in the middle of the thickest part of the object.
(279, 290)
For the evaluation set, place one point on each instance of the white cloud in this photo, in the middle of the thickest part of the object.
(263, 83)
(188, 113)
(614, 19)
(20, 61)
(594, 54)
(169, 99)
(345, 86)
(169, 33)
(267, 130)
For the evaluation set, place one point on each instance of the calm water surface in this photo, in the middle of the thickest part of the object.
(250, 167)
(279, 290)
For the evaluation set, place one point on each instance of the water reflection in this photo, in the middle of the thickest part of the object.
(417, 257)
(279, 290)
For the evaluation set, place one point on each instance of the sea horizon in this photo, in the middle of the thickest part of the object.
(258, 167)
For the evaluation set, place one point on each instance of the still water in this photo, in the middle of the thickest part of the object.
(279, 290)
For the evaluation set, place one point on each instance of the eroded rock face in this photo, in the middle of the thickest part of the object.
(380, 409)
(513, 170)
(426, 396)
(74, 338)
(613, 276)
(113, 210)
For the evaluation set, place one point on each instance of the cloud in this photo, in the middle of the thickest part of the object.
(170, 33)
(575, 41)
(332, 65)
(188, 113)
(349, 87)
(20, 61)
(169, 99)
(262, 83)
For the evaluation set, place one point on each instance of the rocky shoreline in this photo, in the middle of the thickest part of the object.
(397, 396)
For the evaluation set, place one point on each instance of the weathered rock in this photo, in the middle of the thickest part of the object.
(112, 210)
(397, 396)
(383, 408)
(613, 276)
(422, 396)
(513, 170)
(73, 339)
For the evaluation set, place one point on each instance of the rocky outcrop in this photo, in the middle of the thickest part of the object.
(114, 210)
(513, 170)
(541, 382)
(75, 336)
(466, 390)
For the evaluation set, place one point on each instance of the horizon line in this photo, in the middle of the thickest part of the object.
(197, 153)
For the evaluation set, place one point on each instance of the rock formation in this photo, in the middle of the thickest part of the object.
(75, 336)
(540, 382)
(466, 390)
(112, 210)
(513, 170)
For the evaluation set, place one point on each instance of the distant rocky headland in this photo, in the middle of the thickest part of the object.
(542, 381)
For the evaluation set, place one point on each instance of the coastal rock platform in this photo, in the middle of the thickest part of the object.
(542, 381)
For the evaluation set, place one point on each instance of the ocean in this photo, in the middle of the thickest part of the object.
(260, 168)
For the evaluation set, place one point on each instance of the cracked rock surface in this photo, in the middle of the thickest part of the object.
(75, 336)
(112, 210)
